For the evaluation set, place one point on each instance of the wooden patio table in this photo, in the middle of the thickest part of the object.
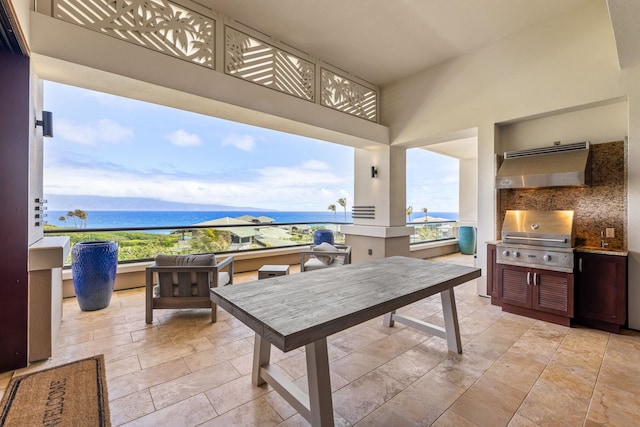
(303, 309)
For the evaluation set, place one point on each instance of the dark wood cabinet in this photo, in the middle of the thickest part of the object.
(601, 291)
(541, 294)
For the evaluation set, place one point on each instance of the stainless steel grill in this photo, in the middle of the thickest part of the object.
(538, 239)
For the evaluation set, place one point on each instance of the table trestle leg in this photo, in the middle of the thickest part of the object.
(317, 406)
(261, 357)
(320, 401)
(451, 330)
(451, 320)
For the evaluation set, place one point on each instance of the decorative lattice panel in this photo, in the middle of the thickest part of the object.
(155, 24)
(258, 62)
(347, 96)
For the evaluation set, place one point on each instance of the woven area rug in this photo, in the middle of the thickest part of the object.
(74, 394)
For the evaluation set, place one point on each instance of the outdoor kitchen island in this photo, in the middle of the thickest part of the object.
(305, 308)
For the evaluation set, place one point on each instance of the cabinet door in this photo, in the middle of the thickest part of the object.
(601, 287)
(553, 292)
(513, 287)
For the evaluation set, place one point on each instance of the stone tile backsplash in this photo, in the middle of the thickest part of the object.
(602, 205)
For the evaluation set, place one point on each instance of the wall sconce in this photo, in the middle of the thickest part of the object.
(374, 172)
(46, 123)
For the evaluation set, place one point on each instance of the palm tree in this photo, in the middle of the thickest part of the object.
(343, 202)
(409, 212)
(332, 207)
(425, 214)
(72, 214)
(82, 216)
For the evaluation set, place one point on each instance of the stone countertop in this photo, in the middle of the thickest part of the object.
(585, 249)
(602, 251)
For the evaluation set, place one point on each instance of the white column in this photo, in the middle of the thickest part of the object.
(386, 234)
(486, 198)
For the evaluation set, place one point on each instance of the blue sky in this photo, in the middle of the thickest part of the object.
(112, 146)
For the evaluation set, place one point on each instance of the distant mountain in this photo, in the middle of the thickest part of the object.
(67, 202)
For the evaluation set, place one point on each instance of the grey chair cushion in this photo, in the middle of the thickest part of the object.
(314, 264)
(324, 247)
(223, 280)
(186, 260)
(199, 260)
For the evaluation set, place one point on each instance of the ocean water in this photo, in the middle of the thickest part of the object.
(130, 219)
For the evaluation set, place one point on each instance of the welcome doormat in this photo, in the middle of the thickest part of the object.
(74, 394)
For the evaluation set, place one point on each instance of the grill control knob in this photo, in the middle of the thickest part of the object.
(505, 253)
(547, 257)
(516, 254)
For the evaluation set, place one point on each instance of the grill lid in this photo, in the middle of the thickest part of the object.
(539, 228)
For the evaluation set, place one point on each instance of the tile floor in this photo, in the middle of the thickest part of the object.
(184, 371)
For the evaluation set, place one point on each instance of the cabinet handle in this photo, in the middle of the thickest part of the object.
(528, 277)
(580, 265)
(535, 279)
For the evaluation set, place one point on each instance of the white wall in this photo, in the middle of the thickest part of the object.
(604, 123)
(468, 191)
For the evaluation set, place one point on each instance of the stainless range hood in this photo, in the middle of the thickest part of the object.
(555, 166)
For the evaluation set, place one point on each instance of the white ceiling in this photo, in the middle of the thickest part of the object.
(382, 41)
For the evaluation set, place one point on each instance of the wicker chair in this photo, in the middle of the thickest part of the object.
(323, 256)
(183, 281)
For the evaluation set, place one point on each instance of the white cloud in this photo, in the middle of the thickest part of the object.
(241, 142)
(183, 138)
(315, 165)
(295, 188)
(110, 131)
(90, 134)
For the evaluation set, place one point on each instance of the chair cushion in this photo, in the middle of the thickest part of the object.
(198, 260)
(325, 247)
(314, 264)
(186, 260)
(223, 280)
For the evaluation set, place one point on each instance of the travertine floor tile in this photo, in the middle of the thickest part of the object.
(451, 419)
(254, 413)
(217, 354)
(611, 406)
(553, 405)
(462, 369)
(145, 378)
(487, 392)
(420, 404)
(516, 371)
(172, 351)
(130, 407)
(186, 413)
(173, 391)
(234, 393)
(363, 396)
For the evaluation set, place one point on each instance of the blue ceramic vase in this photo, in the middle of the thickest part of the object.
(322, 236)
(93, 268)
(467, 240)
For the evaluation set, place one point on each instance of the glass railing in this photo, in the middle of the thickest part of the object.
(137, 244)
(433, 231)
(144, 243)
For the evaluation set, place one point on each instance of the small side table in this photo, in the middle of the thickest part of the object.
(267, 271)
